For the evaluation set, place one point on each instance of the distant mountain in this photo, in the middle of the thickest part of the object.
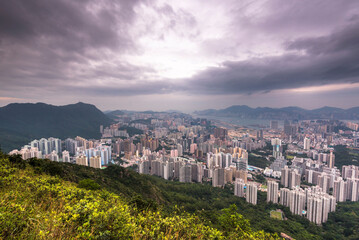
(114, 114)
(245, 112)
(22, 122)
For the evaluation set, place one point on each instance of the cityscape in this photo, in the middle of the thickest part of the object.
(177, 147)
(171, 120)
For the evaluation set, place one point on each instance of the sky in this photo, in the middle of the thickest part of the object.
(181, 55)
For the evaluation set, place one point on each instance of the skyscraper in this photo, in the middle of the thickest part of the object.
(340, 190)
(95, 162)
(272, 191)
(239, 187)
(276, 143)
(251, 193)
(218, 178)
(65, 156)
(81, 160)
(331, 159)
(185, 173)
(306, 144)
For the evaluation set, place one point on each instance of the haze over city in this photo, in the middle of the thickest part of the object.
(183, 55)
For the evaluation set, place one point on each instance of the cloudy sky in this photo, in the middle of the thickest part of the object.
(185, 55)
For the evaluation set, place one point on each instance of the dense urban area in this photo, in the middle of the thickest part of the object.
(307, 166)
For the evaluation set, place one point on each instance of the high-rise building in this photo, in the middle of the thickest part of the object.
(284, 179)
(65, 156)
(144, 167)
(197, 172)
(71, 146)
(284, 197)
(319, 205)
(180, 150)
(95, 162)
(350, 171)
(218, 178)
(272, 191)
(352, 189)
(239, 187)
(81, 160)
(156, 168)
(185, 173)
(242, 162)
(324, 182)
(297, 201)
(277, 151)
(53, 156)
(306, 144)
(243, 174)
(251, 193)
(294, 179)
(220, 133)
(331, 161)
(340, 190)
(290, 177)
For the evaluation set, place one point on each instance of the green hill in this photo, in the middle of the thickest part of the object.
(23, 122)
(204, 205)
(37, 205)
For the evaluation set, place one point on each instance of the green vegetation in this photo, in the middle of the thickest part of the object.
(343, 223)
(258, 161)
(131, 130)
(89, 184)
(289, 157)
(345, 156)
(276, 215)
(197, 206)
(35, 205)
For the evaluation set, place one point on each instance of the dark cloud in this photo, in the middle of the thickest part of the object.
(65, 24)
(84, 47)
(312, 61)
(49, 44)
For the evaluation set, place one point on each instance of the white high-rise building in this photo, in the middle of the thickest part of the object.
(340, 190)
(272, 191)
(54, 156)
(185, 173)
(65, 156)
(306, 144)
(144, 167)
(239, 187)
(276, 143)
(218, 178)
(251, 193)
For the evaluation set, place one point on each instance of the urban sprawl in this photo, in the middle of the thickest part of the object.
(301, 172)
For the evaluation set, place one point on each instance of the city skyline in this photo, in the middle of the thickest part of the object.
(181, 55)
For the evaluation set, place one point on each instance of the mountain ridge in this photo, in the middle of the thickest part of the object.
(290, 112)
(22, 122)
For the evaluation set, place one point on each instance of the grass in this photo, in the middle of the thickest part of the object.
(276, 215)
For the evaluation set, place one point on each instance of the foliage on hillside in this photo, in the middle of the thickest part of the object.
(35, 205)
(203, 200)
(345, 156)
(150, 193)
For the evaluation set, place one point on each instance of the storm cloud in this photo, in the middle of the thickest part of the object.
(63, 51)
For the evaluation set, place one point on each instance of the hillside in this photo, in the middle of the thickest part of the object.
(36, 205)
(245, 112)
(22, 122)
(149, 193)
(156, 194)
